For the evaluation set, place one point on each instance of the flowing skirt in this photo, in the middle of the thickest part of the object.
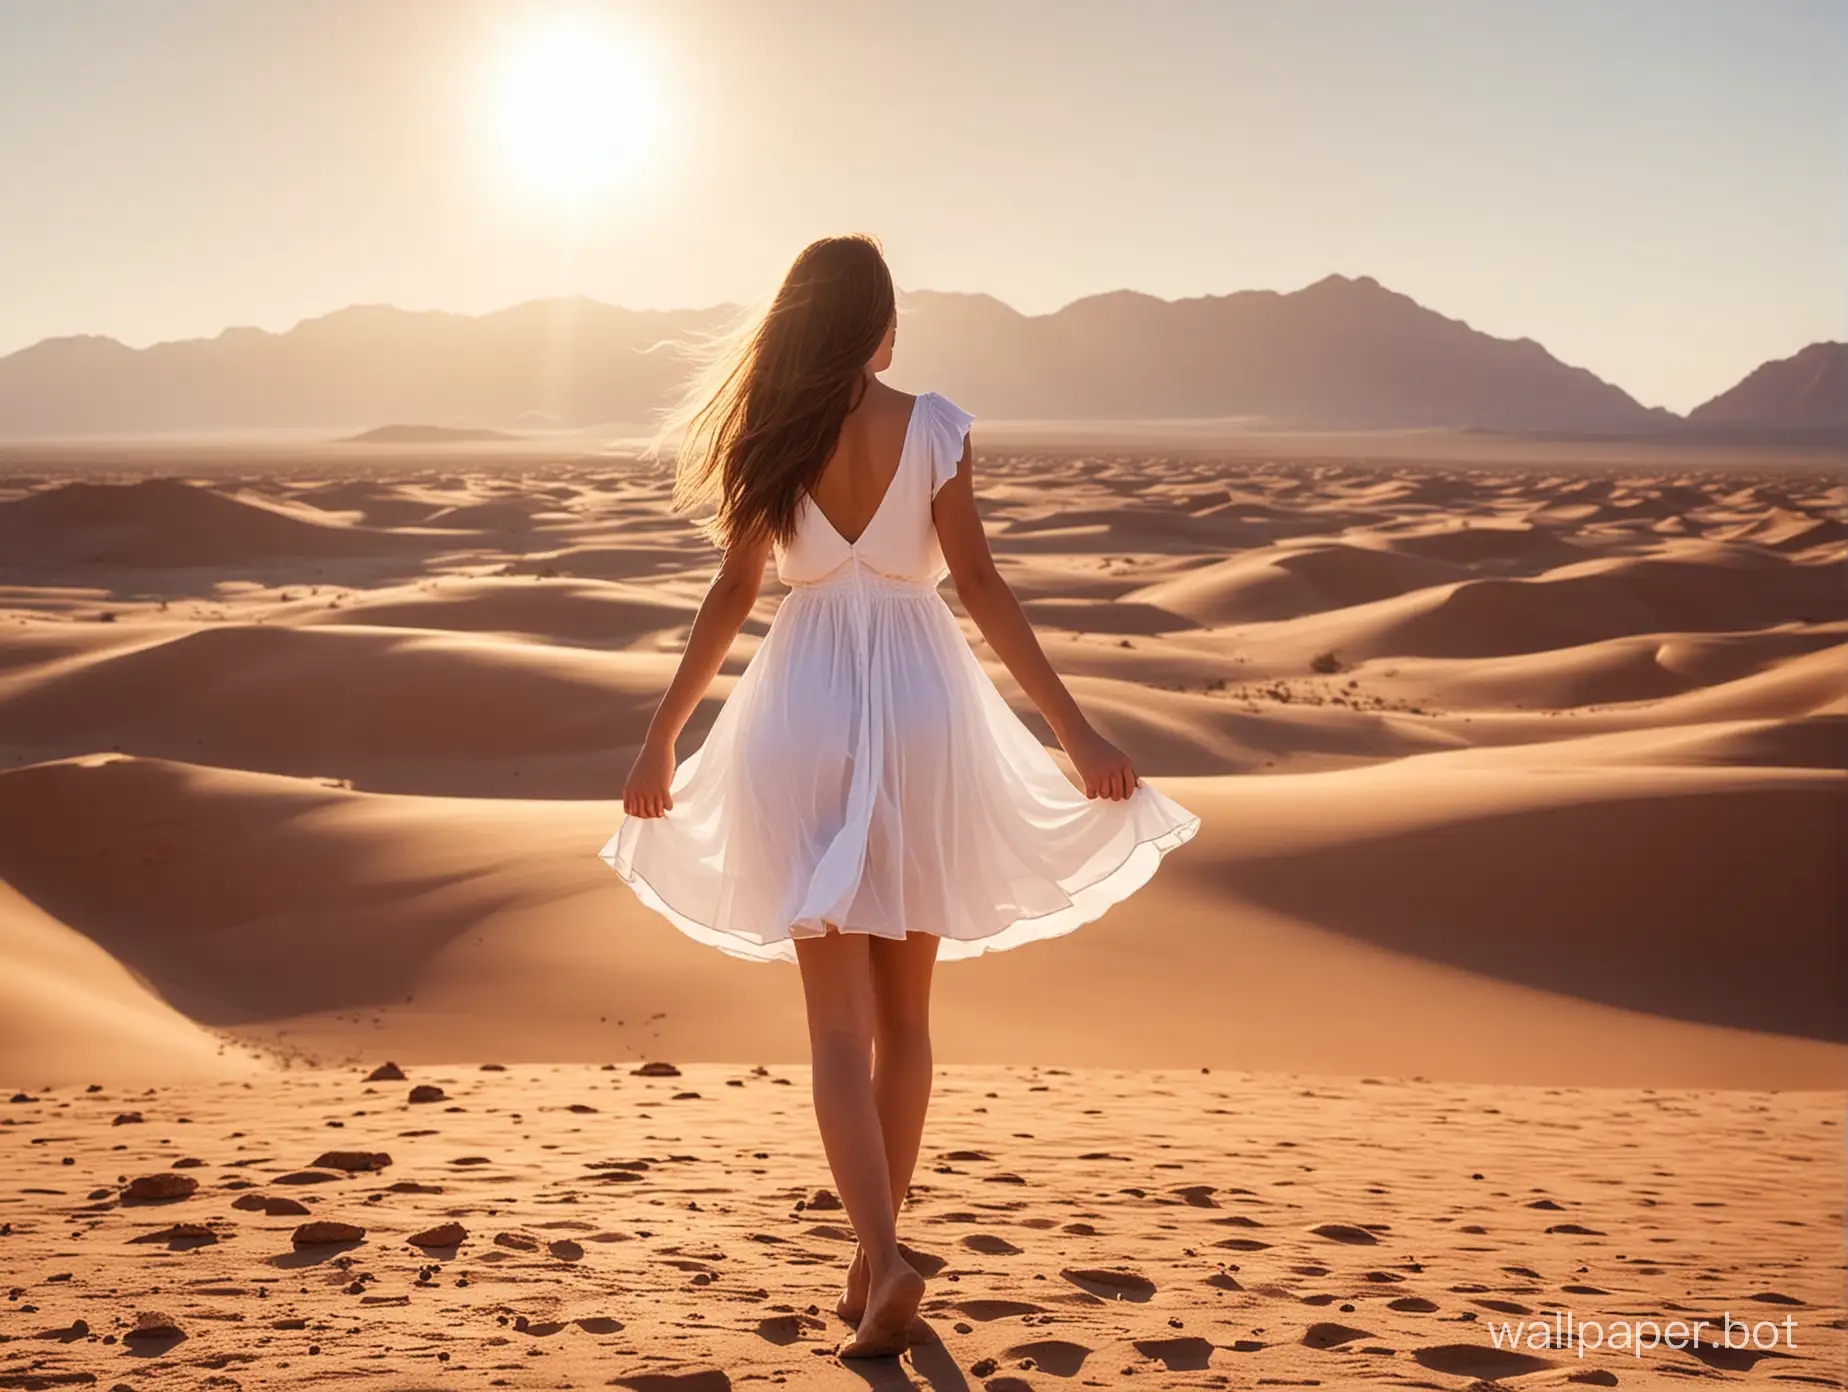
(865, 773)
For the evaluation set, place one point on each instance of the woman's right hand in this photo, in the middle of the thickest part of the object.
(648, 791)
(1105, 770)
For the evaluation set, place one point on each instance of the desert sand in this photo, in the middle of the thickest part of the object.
(1522, 775)
(1088, 1227)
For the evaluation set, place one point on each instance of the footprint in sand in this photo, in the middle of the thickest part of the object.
(181, 1237)
(1327, 1336)
(986, 1310)
(1060, 1357)
(990, 1245)
(1505, 1307)
(1111, 1285)
(788, 1329)
(1731, 1360)
(302, 1177)
(1344, 1232)
(1478, 1361)
(1177, 1355)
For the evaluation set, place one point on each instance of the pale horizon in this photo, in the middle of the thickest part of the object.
(1653, 192)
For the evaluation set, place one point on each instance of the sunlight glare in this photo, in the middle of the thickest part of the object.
(576, 110)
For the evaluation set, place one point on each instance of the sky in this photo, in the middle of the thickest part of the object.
(1656, 190)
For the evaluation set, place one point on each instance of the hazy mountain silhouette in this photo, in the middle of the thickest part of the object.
(1809, 390)
(1339, 353)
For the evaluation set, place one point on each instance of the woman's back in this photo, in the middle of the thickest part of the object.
(896, 538)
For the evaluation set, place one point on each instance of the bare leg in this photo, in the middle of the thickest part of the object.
(901, 972)
(837, 984)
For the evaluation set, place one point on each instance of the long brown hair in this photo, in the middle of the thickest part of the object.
(764, 410)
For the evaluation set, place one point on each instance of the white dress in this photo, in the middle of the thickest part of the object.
(865, 773)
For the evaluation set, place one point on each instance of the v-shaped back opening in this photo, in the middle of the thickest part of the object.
(904, 451)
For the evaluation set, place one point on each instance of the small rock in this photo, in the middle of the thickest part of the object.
(443, 1235)
(284, 1208)
(823, 1200)
(157, 1187)
(655, 1070)
(386, 1073)
(428, 1092)
(519, 1242)
(352, 1160)
(324, 1233)
(566, 1250)
(126, 1119)
(151, 1324)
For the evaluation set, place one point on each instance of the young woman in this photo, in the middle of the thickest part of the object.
(865, 802)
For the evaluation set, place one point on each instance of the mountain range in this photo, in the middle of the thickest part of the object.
(1341, 353)
(1809, 390)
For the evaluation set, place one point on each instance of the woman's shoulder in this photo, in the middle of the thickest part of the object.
(946, 425)
(934, 406)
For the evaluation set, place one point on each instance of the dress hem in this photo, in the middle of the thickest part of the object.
(1085, 904)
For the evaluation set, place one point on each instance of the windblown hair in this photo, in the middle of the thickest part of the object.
(764, 411)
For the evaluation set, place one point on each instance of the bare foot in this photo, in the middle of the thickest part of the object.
(852, 1304)
(885, 1328)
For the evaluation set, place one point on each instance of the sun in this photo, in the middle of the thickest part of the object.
(575, 110)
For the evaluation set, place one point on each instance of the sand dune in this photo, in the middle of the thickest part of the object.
(169, 522)
(558, 611)
(365, 703)
(68, 1009)
(441, 924)
(1528, 776)
(1285, 583)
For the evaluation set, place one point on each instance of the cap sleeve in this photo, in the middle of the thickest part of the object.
(949, 425)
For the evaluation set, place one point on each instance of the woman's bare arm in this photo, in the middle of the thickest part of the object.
(722, 613)
(1105, 770)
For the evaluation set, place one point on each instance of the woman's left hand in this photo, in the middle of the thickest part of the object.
(648, 792)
